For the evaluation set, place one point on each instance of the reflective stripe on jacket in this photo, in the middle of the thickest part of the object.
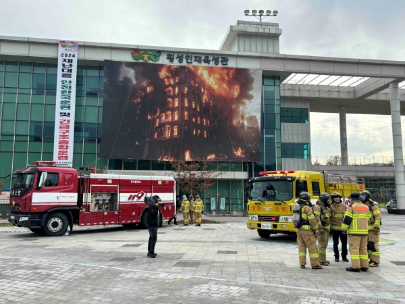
(308, 216)
(199, 206)
(356, 219)
(185, 206)
(337, 213)
(375, 219)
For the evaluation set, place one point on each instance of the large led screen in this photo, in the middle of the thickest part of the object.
(168, 112)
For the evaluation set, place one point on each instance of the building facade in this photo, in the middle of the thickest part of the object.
(28, 77)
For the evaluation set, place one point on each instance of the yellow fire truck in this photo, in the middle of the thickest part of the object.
(272, 196)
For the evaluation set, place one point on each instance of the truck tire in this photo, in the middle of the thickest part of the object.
(263, 233)
(56, 224)
(36, 230)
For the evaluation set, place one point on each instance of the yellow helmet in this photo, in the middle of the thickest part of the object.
(335, 194)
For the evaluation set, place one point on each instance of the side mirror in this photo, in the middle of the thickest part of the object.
(38, 188)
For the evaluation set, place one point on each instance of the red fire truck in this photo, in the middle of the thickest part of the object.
(49, 199)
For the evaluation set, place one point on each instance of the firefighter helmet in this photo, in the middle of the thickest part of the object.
(366, 194)
(184, 196)
(335, 194)
(324, 197)
(305, 196)
(197, 196)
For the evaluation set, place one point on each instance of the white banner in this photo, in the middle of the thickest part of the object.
(65, 103)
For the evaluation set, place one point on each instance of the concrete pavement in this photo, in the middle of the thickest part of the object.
(215, 263)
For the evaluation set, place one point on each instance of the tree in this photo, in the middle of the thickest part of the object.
(334, 161)
(191, 177)
(316, 163)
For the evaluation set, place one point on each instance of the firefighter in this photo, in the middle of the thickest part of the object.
(199, 208)
(374, 227)
(322, 215)
(192, 206)
(355, 224)
(307, 230)
(337, 212)
(185, 208)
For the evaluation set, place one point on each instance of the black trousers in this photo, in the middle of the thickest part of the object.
(173, 218)
(343, 238)
(152, 238)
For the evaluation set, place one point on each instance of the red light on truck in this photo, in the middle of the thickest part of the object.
(273, 218)
(276, 172)
(334, 186)
(361, 186)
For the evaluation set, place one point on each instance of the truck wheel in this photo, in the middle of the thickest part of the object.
(144, 222)
(263, 233)
(36, 230)
(56, 224)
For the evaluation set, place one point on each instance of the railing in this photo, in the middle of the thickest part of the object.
(354, 160)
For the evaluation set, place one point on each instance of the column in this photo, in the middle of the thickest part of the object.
(397, 139)
(343, 136)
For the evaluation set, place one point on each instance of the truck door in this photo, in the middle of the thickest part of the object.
(47, 191)
(165, 190)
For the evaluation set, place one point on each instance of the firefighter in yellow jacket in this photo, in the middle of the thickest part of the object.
(374, 227)
(337, 213)
(322, 216)
(192, 204)
(198, 209)
(355, 223)
(185, 208)
(307, 229)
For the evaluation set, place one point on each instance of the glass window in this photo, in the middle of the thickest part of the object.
(23, 111)
(235, 166)
(35, 147)
(78, 148)
(9, 97)
(1, 79)
(7, 128)
(295, 150)
(8, 111)
(49, 129)
(90, 148)
(21, 128)
(143, 164)
(50, 82)
(38, 84)
(6, 146)
(91, 114)
(91, 101)
(115, 164)
(51, 69)
(49, 113)
(40, 98)
(36, 132)
(10, 80)
(21, 146)
(37, 112)
(26, 67)
(20, 160)
(39, 68)
(24, 98)
(48, 179)
(315, 189)
(50, 99)
(79, 114)
(24, 81)
(11, 66)
(92, 71)
(158, 165)
(130, 164)
(92, 84)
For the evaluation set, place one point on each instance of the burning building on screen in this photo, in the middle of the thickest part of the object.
(188, 113)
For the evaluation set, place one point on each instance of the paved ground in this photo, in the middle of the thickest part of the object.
(216, 263)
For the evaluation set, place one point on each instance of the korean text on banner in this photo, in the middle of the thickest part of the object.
(65, 103)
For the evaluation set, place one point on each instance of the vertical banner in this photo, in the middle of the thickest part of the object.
(65, 103)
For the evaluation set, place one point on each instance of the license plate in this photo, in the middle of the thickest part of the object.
(266, 226)
(12, 217)
(23, 218)
(285, 219)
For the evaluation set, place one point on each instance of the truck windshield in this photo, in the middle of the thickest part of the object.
(279, 190)
(23, 180)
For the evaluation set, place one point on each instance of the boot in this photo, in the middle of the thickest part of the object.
(344, 259)
(337, 259)
(151, 255)
(317, 267)
(324, 263)
(302, 266)
(373, 264)
(364, 269)
(352, 269)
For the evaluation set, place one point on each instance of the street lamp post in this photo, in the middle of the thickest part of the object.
(261, 14)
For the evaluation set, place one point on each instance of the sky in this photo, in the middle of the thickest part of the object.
(367, 29)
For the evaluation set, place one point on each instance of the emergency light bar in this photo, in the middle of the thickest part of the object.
(276, 172)
(45, 163)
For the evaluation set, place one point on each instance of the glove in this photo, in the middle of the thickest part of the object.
(322, 231)
(344, 232)
(376, 230)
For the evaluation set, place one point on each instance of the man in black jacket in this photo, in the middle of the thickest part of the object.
(152, 215)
